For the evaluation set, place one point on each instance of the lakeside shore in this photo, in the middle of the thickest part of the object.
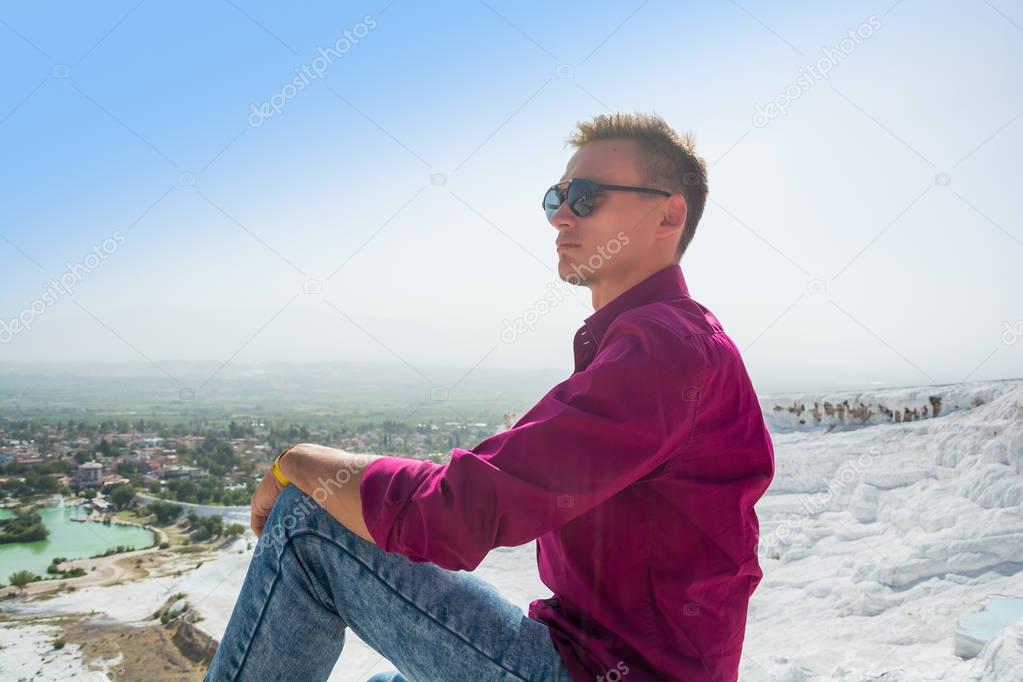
(98, 566)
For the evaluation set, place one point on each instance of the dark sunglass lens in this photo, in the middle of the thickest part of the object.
(552, 201)
(580, 197)
(583, 206)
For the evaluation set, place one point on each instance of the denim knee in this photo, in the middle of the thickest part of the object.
(292, 511)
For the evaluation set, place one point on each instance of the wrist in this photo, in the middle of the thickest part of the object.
(282, 467)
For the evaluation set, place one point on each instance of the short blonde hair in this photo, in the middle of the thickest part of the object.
(672, 163)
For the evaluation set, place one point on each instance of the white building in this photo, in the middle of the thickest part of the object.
(90, 474)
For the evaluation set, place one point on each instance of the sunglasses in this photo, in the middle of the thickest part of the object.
(581, 194)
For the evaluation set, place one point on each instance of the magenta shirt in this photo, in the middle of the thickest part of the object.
(637, 477)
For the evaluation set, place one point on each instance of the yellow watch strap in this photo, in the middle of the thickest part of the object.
(277, 467)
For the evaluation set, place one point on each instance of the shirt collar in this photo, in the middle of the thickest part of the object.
(666, 284)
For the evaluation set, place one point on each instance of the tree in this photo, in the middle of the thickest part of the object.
(122, 495)
(47, 485)
(27, 526)
(166, 512)
(184, 491)
(207, 527)
(234, 530)
(22, 578)
(127, 469)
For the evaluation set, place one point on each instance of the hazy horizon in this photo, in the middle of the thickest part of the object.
(190, 373)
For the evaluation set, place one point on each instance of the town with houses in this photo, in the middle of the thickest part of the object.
(75, 457)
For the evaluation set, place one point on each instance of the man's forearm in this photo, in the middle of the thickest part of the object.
(332, 478)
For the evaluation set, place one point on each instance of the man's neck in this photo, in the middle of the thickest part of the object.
(606, 290)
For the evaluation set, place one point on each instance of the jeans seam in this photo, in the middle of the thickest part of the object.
(259, 620)
(402, 596)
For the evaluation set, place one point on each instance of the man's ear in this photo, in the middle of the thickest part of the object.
(673, 220)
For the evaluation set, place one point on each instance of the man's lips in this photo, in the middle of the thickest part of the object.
(566, 245)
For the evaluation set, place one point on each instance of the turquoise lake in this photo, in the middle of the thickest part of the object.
(69, 539)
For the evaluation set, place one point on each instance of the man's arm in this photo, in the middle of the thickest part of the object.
(591, 436)
(332, 478)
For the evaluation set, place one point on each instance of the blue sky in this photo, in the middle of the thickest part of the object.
(869, 235)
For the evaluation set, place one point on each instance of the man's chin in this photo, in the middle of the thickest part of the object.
(572, 274)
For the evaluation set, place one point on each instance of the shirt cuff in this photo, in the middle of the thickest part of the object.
(386, 487)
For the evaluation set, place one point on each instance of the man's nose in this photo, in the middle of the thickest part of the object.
(563, 218)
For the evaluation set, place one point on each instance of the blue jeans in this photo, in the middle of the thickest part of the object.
(311, 578)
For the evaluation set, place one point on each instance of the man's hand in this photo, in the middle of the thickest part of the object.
(263, 501)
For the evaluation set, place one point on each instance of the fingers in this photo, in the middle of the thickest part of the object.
(263, 501)
(258, 512)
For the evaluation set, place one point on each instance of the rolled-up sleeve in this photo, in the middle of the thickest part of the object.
(587, 439)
